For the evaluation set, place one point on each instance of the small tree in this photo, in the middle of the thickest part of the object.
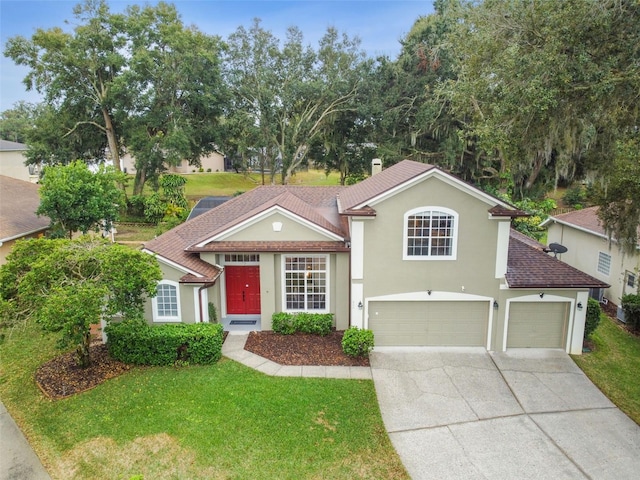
(76, 199)
(67, 285)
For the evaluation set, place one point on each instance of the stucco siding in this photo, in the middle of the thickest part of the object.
(292, 229)
(583, 252)
(473, 270)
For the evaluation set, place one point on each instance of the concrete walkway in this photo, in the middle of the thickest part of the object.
(18, 461)
(233, 348)
(523, 414)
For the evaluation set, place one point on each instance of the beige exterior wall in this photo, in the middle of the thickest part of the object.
(583, 252)
(213, 161)
(5, 247)
(12, 165)
(473, 270)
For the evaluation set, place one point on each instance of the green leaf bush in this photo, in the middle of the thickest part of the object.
(357, 342)
(592, 320)
(138, 343)
(631, 308)
(313, 323)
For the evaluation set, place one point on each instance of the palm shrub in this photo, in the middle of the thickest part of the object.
(594, 313)
(357, 342)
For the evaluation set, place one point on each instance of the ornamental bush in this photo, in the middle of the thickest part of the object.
(593, 317)
(357, 342)
(315, 323)
(282, 323)
(136, 342)
(631, 308)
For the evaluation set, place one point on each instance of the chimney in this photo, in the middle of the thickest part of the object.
(376, 166)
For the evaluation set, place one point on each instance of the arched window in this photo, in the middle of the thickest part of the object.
(166, 303)
(430, 233)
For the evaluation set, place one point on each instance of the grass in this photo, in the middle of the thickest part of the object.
(614, 365)
(224, 421)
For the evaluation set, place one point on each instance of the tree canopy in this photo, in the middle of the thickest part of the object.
(78, 200)
(68, 285)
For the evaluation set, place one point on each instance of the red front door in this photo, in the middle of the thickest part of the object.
(243, 290)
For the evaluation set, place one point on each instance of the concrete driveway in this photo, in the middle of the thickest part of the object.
(525, 414)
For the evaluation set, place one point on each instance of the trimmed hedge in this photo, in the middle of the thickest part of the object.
(592, 319)
(136, 342)
(357, 342)
(314, 323)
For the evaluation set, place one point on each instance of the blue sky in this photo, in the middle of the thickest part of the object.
(379, 24)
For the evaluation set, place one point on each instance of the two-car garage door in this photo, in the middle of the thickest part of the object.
(429, 323)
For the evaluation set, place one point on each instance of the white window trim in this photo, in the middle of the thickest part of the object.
(405, 237)
(154, 304)
(600, 254)
(327, 303)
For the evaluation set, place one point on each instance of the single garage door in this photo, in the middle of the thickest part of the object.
(538, 324)
(434, 323)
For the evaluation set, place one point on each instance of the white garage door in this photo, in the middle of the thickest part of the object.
(406, 323)
(538, 324)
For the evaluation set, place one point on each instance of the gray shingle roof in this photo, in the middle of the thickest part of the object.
(19, 201)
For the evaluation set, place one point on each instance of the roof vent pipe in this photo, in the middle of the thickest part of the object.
(376, 166)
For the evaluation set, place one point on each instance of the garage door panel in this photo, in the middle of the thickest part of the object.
(429, 323)
(538, 325)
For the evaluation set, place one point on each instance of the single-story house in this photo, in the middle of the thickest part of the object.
(589, 249)
(213, 162)
(412, 253)
(12, 162)
(19, 201)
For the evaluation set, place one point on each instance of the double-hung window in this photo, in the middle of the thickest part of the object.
(306, 282)
(166, 303)
(430, 233)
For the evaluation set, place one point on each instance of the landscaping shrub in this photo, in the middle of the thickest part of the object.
(357, 342)
(282, 323)
(631, 308)
(592, 320)
(314, 323)
(575, 197)
(136, 342)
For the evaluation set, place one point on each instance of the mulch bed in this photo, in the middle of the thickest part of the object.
(61, 377)
(302, 349)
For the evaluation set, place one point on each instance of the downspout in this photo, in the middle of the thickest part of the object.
(207, 285)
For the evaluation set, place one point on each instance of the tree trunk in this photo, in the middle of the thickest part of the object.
(112, 140)
(83, 359)
(139, 181)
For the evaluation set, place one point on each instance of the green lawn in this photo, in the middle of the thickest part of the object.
(224, 421)
(614, 366)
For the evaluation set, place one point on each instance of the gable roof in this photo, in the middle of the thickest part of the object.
(528, 266)
(585, 219)
(19, 201)
(316, 205)
(359, 198)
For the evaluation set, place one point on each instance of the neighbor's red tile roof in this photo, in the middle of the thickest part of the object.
(528, 266)
(19, 201)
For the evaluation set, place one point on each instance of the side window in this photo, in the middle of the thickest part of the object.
(166, 303)
(604, 263)
(430, 233)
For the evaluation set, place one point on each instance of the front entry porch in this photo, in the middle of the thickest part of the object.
(241, 323)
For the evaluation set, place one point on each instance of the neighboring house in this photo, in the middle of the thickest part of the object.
(19, 201)
(413, 253)
(12, 162)
(214, 162)
(589, 249)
